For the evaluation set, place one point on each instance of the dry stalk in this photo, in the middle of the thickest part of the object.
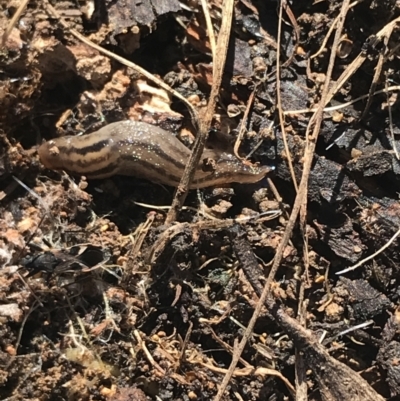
(315, 123)
(13, 21)
(205, 124)
(242, 124)
(279, 102)
(211, 35)
(380, 250)
(149, 357)
(396, 152)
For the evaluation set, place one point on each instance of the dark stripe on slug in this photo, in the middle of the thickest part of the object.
(95, 147)
(85, 164)
(157, 149)
(143, 151)
(150, 167)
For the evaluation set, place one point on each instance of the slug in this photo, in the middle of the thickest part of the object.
(145, 151)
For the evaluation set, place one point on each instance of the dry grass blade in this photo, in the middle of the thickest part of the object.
(328, 35)
(285, 6)
(396, 152)
(13, 21)
(218, 70)
(139, 235)
(300, 367)
(315, 121)
(210, 29)
(375, 254)
(342, 105)
(357, 63)
(375, 80)
(384, 34)
(242, 125)
(279, 102)
(149, 357)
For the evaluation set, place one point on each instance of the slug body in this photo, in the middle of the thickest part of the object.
(145, 151)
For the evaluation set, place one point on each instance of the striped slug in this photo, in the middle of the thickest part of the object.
(145, 151)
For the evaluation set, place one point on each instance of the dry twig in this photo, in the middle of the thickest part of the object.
(218, 70)
(211, 36)
(279, 102)
(13, 21)
(380, 250)
(335, 379)
(301, 197)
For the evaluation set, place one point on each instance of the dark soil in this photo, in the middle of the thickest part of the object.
(100, 300)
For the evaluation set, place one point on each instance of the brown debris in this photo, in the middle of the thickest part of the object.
(108, 293)
(336, 380)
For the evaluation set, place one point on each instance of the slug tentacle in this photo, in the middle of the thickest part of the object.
(142, 150)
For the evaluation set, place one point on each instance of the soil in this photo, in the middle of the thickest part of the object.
(101, 300)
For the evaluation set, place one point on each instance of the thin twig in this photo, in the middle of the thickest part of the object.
(396, 152)
(210, 29)
(316, 120)
(242, 124)
(13, 21)
(342, 105)
(328, 35)
(359, 60)
(300, 366)
(279, 101)
(354, 328)
(149, 357)
(285, 6)
(361, 262)
(31, 309)
(205, 123)
(376, 78)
